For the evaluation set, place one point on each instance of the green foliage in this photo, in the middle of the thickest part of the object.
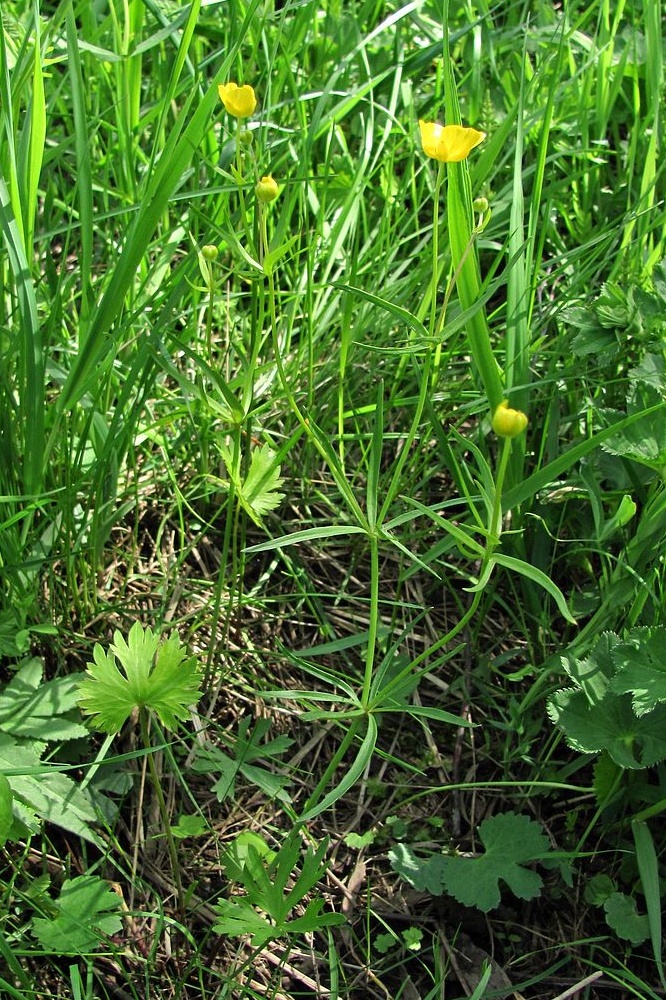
(6, 812)
(645, 440)
(620, 909)
(36, 716)
(189, 826)
(411, 939)
(511, 842)
(34, 709)
(623, 918)
(618, 701)
(41, 793)
(325, 393)
(258, 492)
(249, 751)
(640, 668)
(85, 913)
(263, 912)
(158, 675)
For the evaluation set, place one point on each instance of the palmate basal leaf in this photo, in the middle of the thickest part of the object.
(610, 725)
(511, 841)
(87, 913)
(156, 676)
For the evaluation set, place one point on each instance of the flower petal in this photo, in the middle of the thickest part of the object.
(240, 102)
(448, 143)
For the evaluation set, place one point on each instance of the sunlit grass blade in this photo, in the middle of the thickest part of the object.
(32, 150)
(83, 169)
(31, 360)
(648, 868)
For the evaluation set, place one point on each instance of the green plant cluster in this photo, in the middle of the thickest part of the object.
(332, 497)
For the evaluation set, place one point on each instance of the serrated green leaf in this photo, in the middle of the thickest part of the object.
(651, 371)
(412, 938)
(258, 493)
(644, 440)
(247, 746)
(610, 725)
(236, 918)
(86, 915)
(157, 676)
(383, 943)
(264, 875)
(605, 781)
(594, 674)
(511, 841)
(599, 889)
(36, 709)
(42, 793)
(641, 668)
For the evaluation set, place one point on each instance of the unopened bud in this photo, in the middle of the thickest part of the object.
(267, 190)
(209, 252)
(480, 205)
(508, 423)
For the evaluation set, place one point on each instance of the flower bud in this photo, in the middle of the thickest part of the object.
(480, 205)
(209, 252)
(508, 423)
(267, 190)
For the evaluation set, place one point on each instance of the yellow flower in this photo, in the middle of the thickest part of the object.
(267, 190)
(239, 101)
(448, 143)
(508, 423)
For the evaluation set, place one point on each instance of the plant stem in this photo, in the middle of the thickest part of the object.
(164, 814)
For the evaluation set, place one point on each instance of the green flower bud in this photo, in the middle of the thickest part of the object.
(209, 252)
(480, 205)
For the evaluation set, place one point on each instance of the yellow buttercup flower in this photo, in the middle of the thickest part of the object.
(239, 101)
(508, 423)
(448, 143)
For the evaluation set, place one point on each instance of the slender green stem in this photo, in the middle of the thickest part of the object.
(502, 465)
(209, 309)
(373, 622)
(425, 374)
(164, 814)
(434, 243)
